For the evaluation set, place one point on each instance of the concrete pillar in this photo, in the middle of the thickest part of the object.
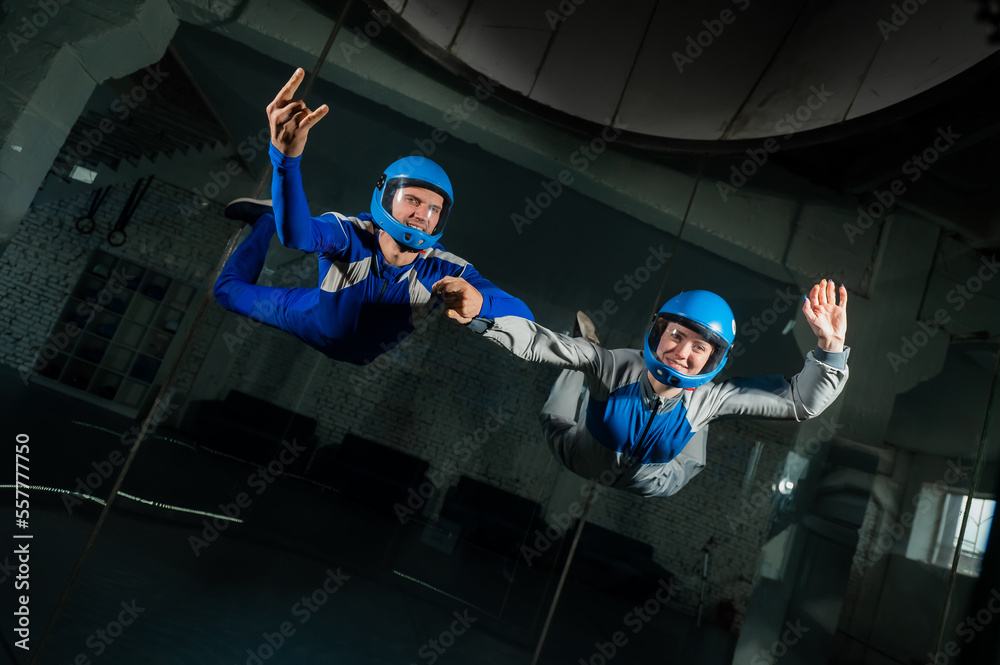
(54, 53)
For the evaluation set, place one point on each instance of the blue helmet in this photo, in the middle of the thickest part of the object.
(412, 171)
(703, 312)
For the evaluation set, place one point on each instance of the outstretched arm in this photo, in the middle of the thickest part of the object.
(530, 341)
(290, 122)
(806, 394)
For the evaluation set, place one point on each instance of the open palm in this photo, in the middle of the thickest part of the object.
(827, 319)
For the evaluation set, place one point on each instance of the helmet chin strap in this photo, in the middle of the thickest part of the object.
(404, 249)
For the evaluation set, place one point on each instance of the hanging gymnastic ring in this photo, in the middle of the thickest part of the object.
(112, 238)
(85, 224)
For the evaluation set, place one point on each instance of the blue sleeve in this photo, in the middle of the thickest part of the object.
(496, 301)
(296, 227)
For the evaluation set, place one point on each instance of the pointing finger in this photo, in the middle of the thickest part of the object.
(288, 91)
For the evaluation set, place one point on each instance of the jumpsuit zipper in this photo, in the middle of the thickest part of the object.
(377, 269)
(385, 283)
(638, 444)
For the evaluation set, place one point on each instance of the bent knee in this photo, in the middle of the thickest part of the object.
(223, 290)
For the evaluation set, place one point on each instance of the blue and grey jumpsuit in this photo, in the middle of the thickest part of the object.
(632, 439)
(363, 305)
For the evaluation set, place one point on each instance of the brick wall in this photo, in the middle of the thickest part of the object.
(45, 258)
(432, 397)
(444, 383)
(710, 513)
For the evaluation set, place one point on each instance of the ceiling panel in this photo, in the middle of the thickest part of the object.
(437, 20)
(505, 41)
(937, 42)
(715, 70)
(591, 56)
(693, 91)
(830, 49)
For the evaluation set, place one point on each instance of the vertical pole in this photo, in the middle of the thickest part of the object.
(562, 578)
(973, 483)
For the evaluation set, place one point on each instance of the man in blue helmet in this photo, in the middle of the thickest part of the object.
(644, 408)
(377, 272)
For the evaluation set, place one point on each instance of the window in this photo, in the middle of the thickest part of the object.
(115, 330)
(977, 532)
(938, 524)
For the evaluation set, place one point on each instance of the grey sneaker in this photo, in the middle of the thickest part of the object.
(247, 210)
(584, 328)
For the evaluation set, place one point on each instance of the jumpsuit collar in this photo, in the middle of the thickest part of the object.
(385, 270)
(650, 398)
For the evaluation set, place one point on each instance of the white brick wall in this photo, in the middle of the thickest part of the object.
(46, 257)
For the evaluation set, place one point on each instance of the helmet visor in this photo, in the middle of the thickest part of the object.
(685, 331)
(417, 204)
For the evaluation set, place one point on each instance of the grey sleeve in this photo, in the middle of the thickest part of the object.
(535, 343)
(804, 396)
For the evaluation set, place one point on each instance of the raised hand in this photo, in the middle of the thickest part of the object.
(291, 120)
(826, 318)
(463, 300)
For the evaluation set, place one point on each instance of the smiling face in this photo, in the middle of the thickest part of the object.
(417, 208)
(683, 349)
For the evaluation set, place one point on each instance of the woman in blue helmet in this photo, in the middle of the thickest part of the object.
(378, 272)
(643, 408)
